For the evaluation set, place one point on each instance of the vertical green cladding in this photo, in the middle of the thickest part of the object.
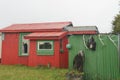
(101, 64)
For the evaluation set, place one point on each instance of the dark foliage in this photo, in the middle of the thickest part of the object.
(116, 24)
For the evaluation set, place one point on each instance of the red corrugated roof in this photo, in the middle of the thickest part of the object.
(46, 35)
(36, 27)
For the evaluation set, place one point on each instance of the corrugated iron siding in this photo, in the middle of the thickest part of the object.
(101, 64)
(82, 28)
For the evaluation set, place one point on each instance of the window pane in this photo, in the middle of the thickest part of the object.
(48, 45)
(24, 45)
(45, 45)
(25, 48)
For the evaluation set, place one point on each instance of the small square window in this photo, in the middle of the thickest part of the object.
(45, 47)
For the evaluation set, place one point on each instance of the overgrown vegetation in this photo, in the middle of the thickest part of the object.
(19, 72)
(116, 24)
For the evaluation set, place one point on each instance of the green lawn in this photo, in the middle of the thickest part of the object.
(18, 72)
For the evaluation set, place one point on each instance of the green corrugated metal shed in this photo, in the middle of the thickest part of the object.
(102, 64)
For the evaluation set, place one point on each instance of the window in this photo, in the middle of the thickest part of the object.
(45, 47)
(3, 36)
(23, 45)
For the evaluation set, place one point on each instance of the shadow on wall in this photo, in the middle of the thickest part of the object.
(79, 61)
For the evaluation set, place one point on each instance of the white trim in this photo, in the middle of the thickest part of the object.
(39, 42)
(28, 43)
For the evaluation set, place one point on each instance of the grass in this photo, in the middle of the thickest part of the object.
(18, 72)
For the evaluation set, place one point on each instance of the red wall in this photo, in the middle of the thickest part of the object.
(64, 55)
(35, 59)
(59, 60)
(10, 50)
(10, 53)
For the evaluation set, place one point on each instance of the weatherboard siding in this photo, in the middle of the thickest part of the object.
(10, 50)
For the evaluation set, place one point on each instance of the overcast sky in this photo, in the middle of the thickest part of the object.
(80, 12)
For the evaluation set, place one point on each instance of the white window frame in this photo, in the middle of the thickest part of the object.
(23, 40)
(39, 42)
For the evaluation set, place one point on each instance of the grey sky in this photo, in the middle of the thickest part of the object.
(80, 12)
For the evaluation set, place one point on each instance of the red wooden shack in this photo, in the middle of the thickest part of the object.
(35, 44)
(39, 43)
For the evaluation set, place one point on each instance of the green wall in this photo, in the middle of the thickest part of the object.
(101, 64)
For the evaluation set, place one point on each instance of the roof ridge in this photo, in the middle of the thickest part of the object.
(57, 26)
(84, 26)
(42, 23)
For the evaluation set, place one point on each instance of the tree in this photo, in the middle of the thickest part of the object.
(116, 24)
